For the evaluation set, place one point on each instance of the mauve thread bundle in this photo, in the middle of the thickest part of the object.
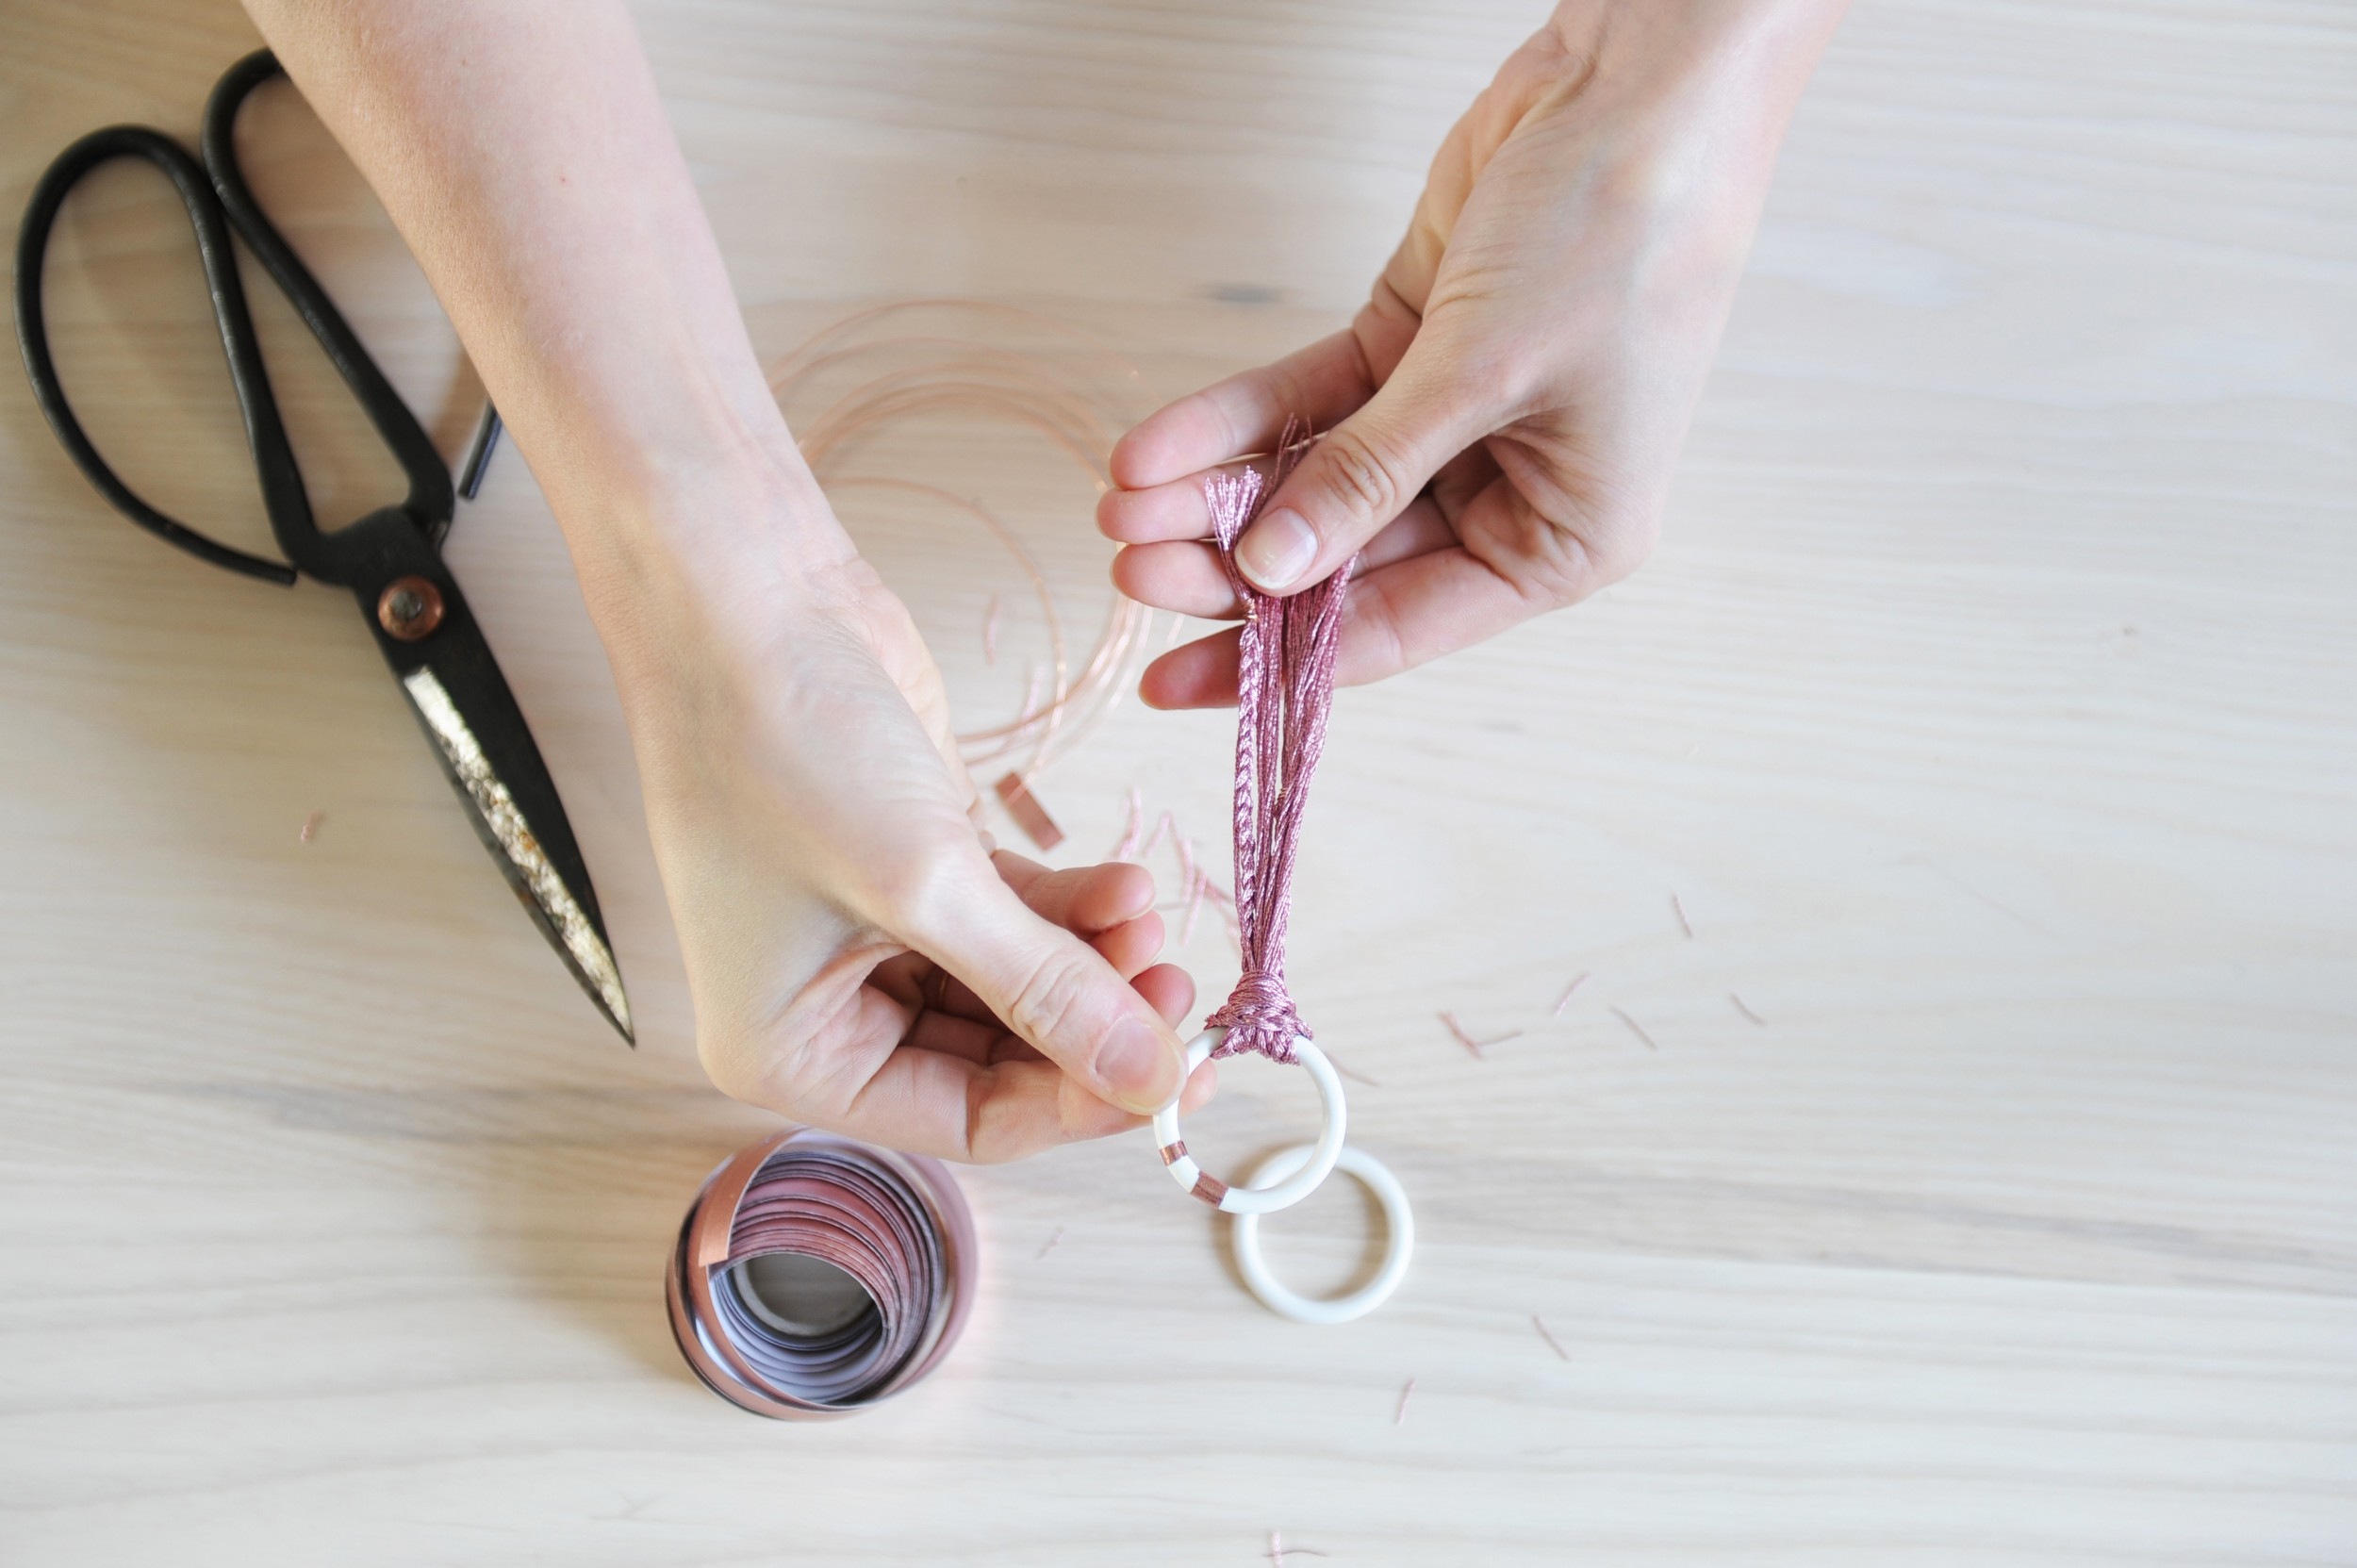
(894, 1224)
(1284, 691)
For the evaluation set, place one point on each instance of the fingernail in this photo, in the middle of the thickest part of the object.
(1276, 550)
(1138, 1067)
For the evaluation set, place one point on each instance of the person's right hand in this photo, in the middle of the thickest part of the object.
(1500, 422)
(858, 958)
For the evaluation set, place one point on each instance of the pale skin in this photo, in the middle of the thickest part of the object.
(860, 955)
(1501, 419)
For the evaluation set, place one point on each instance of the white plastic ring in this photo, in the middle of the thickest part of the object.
(1253, 1198)
(1398, 1219)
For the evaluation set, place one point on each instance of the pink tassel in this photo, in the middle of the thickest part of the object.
(1284, 691)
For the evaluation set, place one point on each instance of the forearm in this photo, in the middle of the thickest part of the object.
(521, 149)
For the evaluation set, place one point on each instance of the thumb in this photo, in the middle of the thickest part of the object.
(1362, 473)
(1055, 991)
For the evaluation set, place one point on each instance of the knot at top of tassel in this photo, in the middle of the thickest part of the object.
(1258, 1014)
(1284, 690)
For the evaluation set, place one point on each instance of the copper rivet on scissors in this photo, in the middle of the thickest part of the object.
(409, 609)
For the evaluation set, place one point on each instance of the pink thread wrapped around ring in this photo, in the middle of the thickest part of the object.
(1284, 691)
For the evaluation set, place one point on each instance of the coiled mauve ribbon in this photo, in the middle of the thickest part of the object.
(1284, 690)
(895, 1225)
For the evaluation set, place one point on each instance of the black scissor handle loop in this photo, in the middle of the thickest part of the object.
(264, 431)
(431, 499)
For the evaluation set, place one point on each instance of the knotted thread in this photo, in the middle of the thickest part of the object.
(1284, 689)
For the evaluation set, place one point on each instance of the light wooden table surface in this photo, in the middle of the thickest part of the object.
(1988, 708)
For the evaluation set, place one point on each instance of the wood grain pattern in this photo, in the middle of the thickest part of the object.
(1988, 709)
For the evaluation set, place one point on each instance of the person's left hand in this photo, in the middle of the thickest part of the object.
(1109, 906)
(860, 955)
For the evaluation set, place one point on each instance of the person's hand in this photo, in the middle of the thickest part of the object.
(1501, 419)
(857, 957)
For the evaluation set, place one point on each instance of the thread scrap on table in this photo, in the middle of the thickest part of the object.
(1465, 1038)
(1284, 692)
(1198, 887)
(1130, 846)
(1400, 1415)
(1634, 1028)
(1678, 906)
(1741, 1008)
(1539, 1323)
(1048, 1246)
(1565, 999)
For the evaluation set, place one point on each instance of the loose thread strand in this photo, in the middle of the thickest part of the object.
(1466, 1039)
(919, 359)
(1634, 1028)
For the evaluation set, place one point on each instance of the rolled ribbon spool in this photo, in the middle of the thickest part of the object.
(815, 1274)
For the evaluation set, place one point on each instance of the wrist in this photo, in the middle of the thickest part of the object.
(698, 549)
(1696, 95)
(1753, 57)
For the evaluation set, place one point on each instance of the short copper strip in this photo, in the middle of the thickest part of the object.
(1175, 1151)
(1211, 1189)
(1028, 812)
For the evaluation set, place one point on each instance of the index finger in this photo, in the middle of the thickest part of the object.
(1323, 383)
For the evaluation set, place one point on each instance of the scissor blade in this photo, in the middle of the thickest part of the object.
(491, 759)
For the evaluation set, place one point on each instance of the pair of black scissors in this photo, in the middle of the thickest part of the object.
(391, 559)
